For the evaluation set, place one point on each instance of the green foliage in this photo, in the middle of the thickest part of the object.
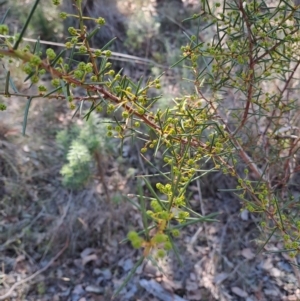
(79, 144)
(77, 171)
(2, 107)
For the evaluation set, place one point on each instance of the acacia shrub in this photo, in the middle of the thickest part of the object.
(242, 109)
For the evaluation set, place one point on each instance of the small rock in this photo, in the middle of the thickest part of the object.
(94, 289)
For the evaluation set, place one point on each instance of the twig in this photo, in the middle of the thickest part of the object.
(99, 162)
(195, 236)
(116, 55)
(111, 214)
(11, 290)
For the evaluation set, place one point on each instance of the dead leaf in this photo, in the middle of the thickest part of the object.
(193, 277)
(239, 292)
(219, 278)
(20, 258)
(89, 258)
(86, 252)
(171, 284)
(245, 215)
(191, 286)
(248, 254)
